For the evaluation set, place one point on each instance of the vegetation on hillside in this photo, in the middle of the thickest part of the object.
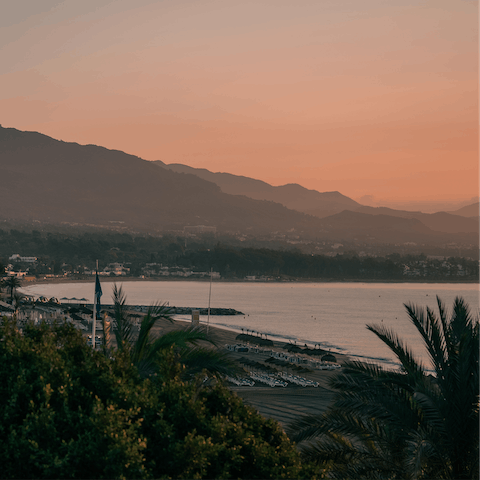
(72, 254)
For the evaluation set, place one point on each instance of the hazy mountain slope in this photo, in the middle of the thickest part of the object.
(292, 196)
(468, 211)
(439, 222)
(383, 228)
(319, 204)
(54, 181)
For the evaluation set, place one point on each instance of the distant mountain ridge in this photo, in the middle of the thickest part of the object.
(472, 210)
(439, 222)
(53, 181)
(292, 195)
(47, 180)
(324, 204)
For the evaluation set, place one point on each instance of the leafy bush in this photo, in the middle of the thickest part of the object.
(69, 412)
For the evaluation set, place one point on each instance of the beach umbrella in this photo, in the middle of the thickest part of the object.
(329, 358)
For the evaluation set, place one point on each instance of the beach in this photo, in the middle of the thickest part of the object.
(282, 404)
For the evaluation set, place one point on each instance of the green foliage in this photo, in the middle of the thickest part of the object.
(407, 424)
(11, 283)
(206, 432)
(69, 412)
(66, 411)
(144, 349)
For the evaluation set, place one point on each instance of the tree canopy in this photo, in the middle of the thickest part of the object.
(70, 412)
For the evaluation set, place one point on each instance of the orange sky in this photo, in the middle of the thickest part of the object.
(377, 97)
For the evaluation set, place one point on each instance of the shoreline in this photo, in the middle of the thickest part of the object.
(192, 295)
(230, 335)
(107, 279)
(281, 404)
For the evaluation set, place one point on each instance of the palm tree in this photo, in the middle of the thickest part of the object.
(11, 283)
(144, 349)
(405, 424)
(123, 324)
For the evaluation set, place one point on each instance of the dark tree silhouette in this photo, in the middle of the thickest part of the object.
(11, 283)
(406, 424)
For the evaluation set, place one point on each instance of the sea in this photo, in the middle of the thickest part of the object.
(333, 316)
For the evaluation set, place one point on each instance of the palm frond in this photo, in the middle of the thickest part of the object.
(145, 350)
(180, 338)
(154, 313)
(410, 365)
(433, 333)
(462, 322)
(407, 424)
(214, 361)
(123, 327)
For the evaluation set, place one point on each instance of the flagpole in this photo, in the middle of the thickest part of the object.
(209, 297)
(94, 325)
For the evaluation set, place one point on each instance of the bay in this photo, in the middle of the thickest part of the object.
(331, 315)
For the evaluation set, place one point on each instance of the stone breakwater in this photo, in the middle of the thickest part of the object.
(173, 310)
(188, 310)
(204, 311)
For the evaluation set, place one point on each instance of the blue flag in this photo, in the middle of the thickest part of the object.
(98, 294)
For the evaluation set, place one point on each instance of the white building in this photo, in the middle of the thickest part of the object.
(17, 258)
(116, 269)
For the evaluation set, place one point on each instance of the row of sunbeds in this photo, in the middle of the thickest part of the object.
(272, 380)
(303, 382)
(281, 356)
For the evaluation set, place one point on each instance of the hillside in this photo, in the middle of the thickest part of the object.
(293, 196)
(468, 211)
(49, 180)
(325, 204)
(46, 180)
(440, 222)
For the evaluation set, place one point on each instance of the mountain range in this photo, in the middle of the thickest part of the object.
(47, 180)
(293, 196)
(325, 204)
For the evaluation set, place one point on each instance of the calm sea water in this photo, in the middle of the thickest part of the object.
(333, 315)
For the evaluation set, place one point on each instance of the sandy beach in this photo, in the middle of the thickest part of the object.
(281, 404)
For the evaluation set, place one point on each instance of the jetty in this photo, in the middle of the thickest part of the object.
(173, 309)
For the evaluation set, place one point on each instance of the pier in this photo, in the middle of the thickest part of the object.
(173, 310)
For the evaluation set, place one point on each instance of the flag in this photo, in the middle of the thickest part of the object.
(98, 294)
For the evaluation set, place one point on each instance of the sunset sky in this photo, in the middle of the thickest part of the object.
(371, 97)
